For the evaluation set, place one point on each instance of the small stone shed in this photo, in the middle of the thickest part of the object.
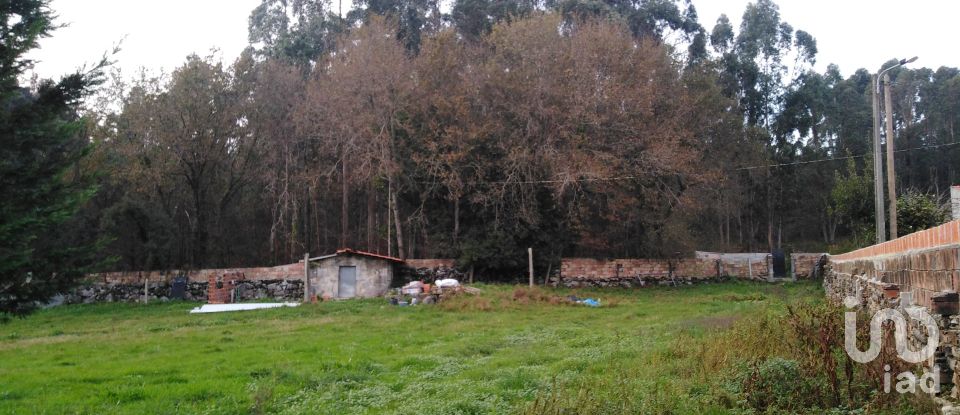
(351, 274)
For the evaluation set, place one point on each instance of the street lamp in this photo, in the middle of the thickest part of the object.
(877, 164)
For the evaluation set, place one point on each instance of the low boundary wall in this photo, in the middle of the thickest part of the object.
(283, 282)
(920, 269)
(704, 267)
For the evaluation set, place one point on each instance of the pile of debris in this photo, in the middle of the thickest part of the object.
(418, 292)
(408, 274)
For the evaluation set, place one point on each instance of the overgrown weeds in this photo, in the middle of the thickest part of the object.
(772, 362)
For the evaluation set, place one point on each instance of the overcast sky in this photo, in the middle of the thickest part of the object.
(160, 34)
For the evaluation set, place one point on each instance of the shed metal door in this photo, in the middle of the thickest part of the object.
(779, 264)
(348, 282)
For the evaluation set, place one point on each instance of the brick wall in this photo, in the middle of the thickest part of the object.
(706, 265)
(220, 287)
(740, 265)
(923, 263)
(804, 264)
(946, 234)
(619, 268)
(922, 268)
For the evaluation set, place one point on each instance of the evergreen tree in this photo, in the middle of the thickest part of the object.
(40, 145)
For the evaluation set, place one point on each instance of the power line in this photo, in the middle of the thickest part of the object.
(622, 178)
(903, 150)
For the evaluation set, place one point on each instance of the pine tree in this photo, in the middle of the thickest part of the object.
(40, 142)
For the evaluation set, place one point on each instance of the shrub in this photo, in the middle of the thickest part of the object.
(773, 385)
(917, 211)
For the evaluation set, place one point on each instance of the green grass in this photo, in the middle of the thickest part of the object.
(489, 354)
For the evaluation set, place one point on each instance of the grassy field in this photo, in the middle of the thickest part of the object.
(496, 353)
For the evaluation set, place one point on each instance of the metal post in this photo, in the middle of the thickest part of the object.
(891, 172)
(877, 166)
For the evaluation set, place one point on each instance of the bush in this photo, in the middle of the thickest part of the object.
(917, 211)
(773, 385)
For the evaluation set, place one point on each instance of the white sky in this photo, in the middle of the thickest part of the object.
(160, 34)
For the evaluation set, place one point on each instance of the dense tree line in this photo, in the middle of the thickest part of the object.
(577, 128)
(573, 127)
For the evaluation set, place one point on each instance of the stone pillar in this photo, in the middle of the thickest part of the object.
(955, 201)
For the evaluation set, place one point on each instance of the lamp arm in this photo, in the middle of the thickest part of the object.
(883, 72)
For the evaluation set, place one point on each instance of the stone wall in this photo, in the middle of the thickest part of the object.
(433, 263)
(629, 272)
(920, 269)
(923, 263)
(292, 271)
(284, 282)
(428, 270)
(804, 266)
(291, 290)
(872, 296)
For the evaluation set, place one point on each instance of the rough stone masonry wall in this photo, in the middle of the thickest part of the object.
(740, 265)
(923, 269)
(805, 265)
(876, 295)
(292, 271)
(578, 272)
(924, 263)
(428, 270)
(284, 282)
(195, 291)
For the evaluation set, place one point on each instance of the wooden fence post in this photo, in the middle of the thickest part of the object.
(530, 260)
(306, 278)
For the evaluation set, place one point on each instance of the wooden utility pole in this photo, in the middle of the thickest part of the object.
(891, 172)
(344, 206)
(877, 166)
(306, 278)
(396, 222)
(389, 220)
(530, 261)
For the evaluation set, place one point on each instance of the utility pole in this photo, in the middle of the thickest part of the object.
(891, 172)
(344, 205)
(389, 220)
(877, 166)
